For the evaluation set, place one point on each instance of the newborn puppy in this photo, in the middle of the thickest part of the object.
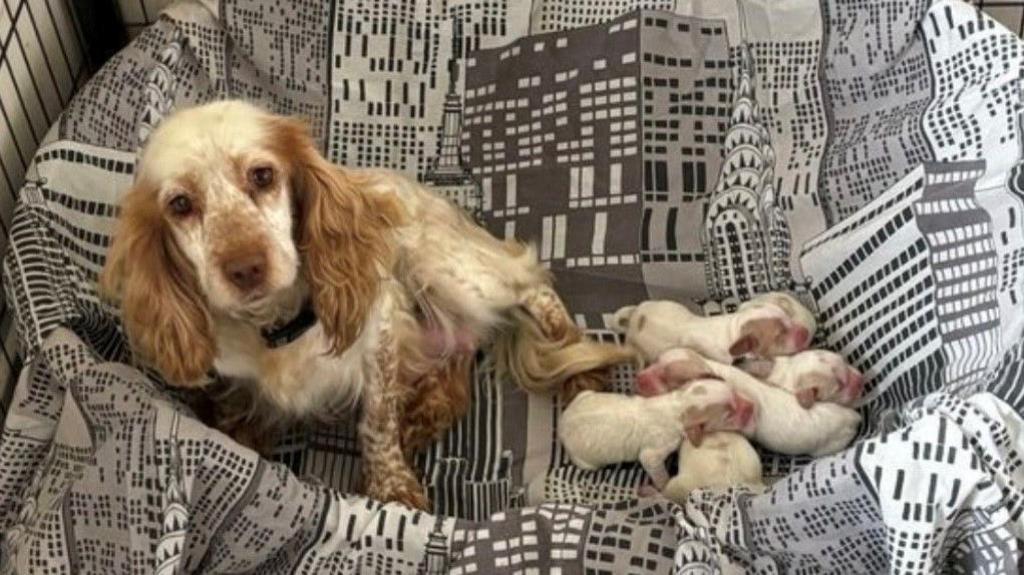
(723, 460)
(812, 375)
(789, 304)
(765, 330)
(599, 429)
(782, 424)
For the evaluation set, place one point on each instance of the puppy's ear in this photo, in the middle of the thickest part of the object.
(622, 318)
(344, 233)
(744, 345)
(162, 309)
(695, 433)
(758, 336)
(807, 397)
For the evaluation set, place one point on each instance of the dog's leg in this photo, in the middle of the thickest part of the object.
(438, 400)
(387, 474)
(653, 461)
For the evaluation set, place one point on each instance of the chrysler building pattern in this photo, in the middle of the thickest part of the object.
(745, 233)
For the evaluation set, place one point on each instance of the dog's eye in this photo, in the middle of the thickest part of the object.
(261, 176)
(181, 205)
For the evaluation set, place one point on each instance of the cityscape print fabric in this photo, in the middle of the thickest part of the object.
(864, 155)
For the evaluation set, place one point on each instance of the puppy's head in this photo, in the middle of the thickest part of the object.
(716, 406)
(789, 304)
(672, 371)
(813, 375)
(768, 331)
(822, 375)
(232, 207)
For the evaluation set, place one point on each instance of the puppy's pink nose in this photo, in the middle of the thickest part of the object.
(648, 383)
(246, 272)
(854, 383)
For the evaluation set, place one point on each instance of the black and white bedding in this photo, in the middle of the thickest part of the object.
(864, 155)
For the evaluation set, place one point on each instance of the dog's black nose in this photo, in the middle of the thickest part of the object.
(246, 272)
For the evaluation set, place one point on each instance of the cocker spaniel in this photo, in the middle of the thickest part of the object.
(240, 249)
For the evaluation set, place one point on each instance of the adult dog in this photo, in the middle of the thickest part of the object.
(241, 249)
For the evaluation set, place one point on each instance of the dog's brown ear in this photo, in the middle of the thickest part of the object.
(695, 433)
(344, 233)
(162, 310)
(807, 397)
(758, 336)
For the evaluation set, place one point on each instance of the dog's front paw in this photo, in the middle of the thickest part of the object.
(399, 487)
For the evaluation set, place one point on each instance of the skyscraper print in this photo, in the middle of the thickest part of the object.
(745, 234)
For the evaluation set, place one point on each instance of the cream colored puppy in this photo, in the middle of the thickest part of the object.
(782, 424)
(812, 375)
(654, 327)
(792, 306)
(724, 459)
(599, 429)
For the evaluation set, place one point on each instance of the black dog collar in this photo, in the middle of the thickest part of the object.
(292, 330)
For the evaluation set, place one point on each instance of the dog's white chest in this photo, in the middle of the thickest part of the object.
(302, 377)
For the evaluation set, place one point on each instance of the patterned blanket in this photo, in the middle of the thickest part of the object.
(863, 155)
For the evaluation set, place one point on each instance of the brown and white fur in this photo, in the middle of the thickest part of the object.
(782, 424)
(766, 330)
(235, 221)
(599, 429)
(811, 375)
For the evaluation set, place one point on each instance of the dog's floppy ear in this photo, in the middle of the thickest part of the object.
(343, 233)
(162, 309)
(757, 336)
(742, 346)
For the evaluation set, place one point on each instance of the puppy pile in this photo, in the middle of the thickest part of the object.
(711, 385)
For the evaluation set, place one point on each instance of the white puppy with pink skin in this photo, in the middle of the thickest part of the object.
(813, 375)
(599, 429)
(723, 459)
(763, 330)
(796, 311)
(783, 425)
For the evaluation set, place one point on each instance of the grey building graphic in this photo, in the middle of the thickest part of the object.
(558, 15)
(687, 95)
(552, 132)
(960, 128)
(590, 149)
(390, 76)
(918, 296)
(875, 134)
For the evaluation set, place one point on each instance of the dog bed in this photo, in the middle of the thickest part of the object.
(864, 156)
